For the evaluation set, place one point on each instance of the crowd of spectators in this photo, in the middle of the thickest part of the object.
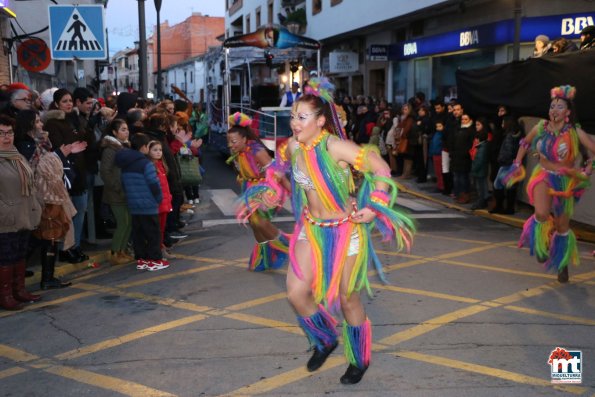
(64, 155)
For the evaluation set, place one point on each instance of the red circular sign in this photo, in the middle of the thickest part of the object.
(34, 55)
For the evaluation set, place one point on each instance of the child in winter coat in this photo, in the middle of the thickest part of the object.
(156, 156)
(479, 164)
(143, 195)
(510, 146)
(435, 153)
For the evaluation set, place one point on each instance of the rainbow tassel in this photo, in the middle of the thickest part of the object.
(269, 254)
(536, 235)
(319, 328)
(563, 251)
(358, 343)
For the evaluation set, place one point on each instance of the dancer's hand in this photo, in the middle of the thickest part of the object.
(365, 215)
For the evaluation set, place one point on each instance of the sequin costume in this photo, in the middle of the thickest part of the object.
(267, 254)
(565, 186)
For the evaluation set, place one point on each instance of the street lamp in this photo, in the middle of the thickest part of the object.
(142, 49)
(158, 9)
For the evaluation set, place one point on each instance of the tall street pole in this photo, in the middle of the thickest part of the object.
(142, 51)
(158, 9)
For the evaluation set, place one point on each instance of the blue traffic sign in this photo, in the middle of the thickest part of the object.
(77, 32)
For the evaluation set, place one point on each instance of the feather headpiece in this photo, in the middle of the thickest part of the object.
(566, 92)
(322, 88)
(239, 119)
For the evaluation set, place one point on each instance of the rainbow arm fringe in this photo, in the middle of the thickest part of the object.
(265, 195)
(510, 175)
(391, 223)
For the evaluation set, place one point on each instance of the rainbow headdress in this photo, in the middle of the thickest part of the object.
(269, 254)
(323, 88)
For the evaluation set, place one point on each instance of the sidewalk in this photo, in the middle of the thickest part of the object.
(426, 191)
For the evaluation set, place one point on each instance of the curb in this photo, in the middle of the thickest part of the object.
(65, 268)
(580, 232)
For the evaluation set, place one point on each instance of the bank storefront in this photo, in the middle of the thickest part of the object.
(428, 64)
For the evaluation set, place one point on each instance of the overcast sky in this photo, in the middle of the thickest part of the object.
(121, 17)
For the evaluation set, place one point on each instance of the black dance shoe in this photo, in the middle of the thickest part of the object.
(319, 357)
(563, 275)
(353, 375)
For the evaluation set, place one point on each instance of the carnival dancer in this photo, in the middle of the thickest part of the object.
(331, 246)
(251, 160)
(556, 183)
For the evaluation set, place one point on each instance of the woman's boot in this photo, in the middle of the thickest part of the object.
(563, 252)
(7, 300)
(358, 350)
(49, 252)
(510, 201)
(499, 198)
(18, 284)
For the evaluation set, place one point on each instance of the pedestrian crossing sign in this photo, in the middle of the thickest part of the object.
(77, 32)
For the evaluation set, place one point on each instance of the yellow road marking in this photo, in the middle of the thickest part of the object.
(390, 268)
(109, 343)
(200, 258)
(168, 276)
(41, 304)
(257, 302)
(16, 355)
(470, 251)
(438, 236)
(432, 324)
(402, 254)
(285, 378)
(266, 322)
(531, 292)
(193, 240)
(11, 372)
(121, 386)
(488, 371)
(583, 276)
(425, 293)
(498, 269)
(558, 316)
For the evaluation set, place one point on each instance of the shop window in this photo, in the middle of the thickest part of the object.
(316, 6)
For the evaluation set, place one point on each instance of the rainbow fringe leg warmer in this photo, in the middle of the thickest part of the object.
(536, 235)
(358, 343)
(270, 254)
(563, 251)
(320, 328)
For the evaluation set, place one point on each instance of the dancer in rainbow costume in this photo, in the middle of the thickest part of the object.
(251, 160)
(331, 246)
(556, 183)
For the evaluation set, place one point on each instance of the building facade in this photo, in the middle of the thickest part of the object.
(391, 49)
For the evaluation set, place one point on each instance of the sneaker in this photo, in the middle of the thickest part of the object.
(177, 235)
(189, 211)
(155, 265)
(141, 264)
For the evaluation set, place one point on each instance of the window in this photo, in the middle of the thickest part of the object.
(316, 6)
(257, 18)
(270, 12)
(247, 29)
(191, 76)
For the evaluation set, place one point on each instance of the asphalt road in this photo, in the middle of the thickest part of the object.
(465, 313)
